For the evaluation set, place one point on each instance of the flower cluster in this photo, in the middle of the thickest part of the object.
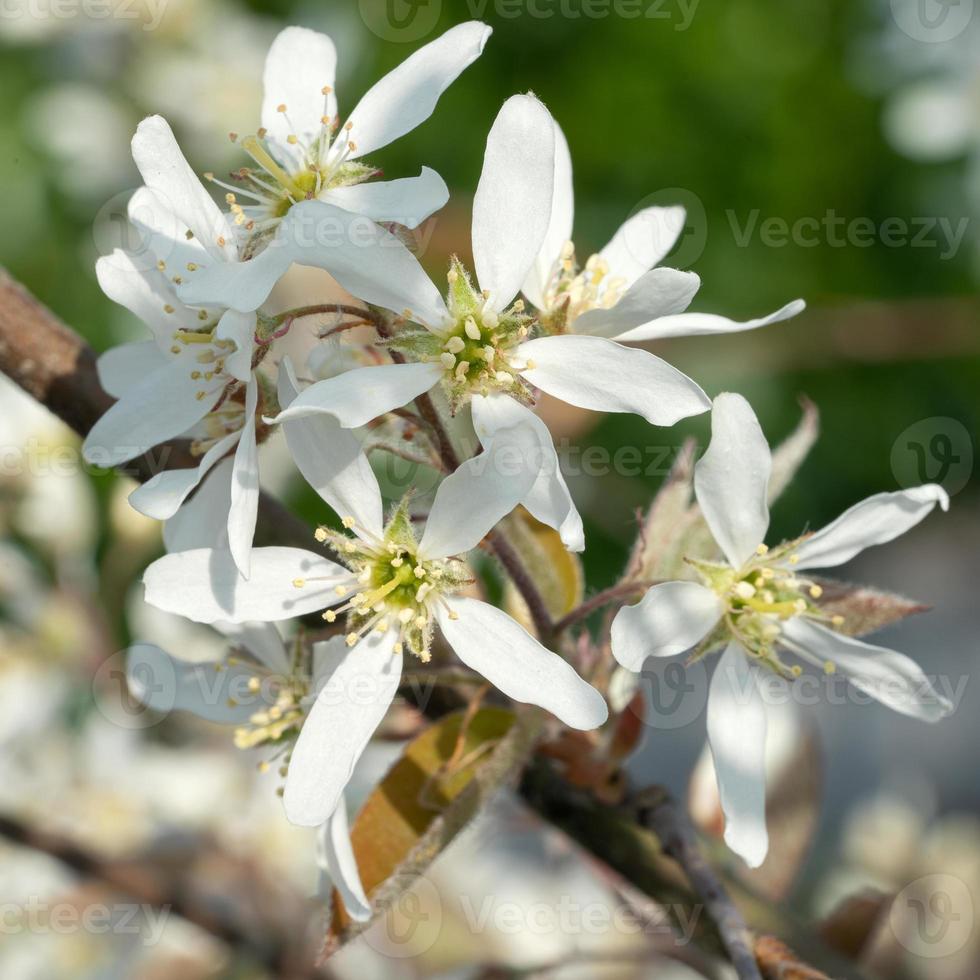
(529, 318)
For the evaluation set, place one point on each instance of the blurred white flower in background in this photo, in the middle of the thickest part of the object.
(86, 132)
(932, 111)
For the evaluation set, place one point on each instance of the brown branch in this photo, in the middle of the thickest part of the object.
(778, 962)
(660, 814)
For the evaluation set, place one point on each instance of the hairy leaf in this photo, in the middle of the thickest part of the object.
(864, 609)
(790, 454)
(431, 793)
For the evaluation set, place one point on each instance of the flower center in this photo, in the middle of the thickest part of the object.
(572, 291)
(392, 588)
(478, 350)
(205, 357)
(284, 175)
(760, 596)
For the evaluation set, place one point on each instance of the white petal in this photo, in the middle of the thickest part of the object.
(346, 713)
(202, 522)
(698, 324)
(328, 655)
(548, 500)
(732, 477)
(488, 640)
(164, 237)
(363, 257)
(356, 397)
(481, 492)
(127, 279)
(596, 373)
(204, 585)
(162, 495)
(163, 406)
(299, 65)
(332, 462)
(262, 640)
(886, 675)
(512, 205)
(163, 683)
(737, 736)
(336, 856)
(240, 328)
(244, 509)
(122, 368)
(407, 201)
(407, 96)
(560, 226)
(169, 176)
(873, 521)
(657, 293)
(669, 619)
(643, 241)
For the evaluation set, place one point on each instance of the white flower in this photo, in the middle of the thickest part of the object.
(394, 588)
(475, 344)
(618, 294)
(757, 603)
(256, 688)
(303, 153)
(198, 377)
(195, 376)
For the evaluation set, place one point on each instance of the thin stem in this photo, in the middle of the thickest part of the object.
(300, 311)
(656, 811)
(444, 446)
(604, 598)
(508, 557)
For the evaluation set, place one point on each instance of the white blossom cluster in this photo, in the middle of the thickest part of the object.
(531, 317)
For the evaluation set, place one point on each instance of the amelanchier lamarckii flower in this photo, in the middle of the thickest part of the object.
(477, 344)
(263, 691)
(301, 151)
(394, 587)
(198, 376)
(759, 603)
(617, 293)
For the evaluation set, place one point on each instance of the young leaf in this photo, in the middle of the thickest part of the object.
(431, 793)
(790, 454)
